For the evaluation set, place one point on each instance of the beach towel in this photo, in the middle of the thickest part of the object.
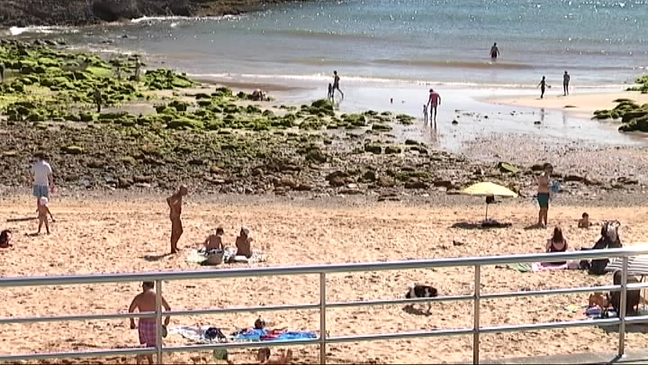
(575, 308)
(265, 334)
(199, 256)
(537, 266)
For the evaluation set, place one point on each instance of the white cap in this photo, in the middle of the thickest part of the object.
(43, 200)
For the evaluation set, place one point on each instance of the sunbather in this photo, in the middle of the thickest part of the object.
(244, 243)
(215, 241)
(557, 243)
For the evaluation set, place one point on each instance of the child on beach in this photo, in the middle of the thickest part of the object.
(584, 221)
(215, 241)
(43, 211)
(244, 243)
(5, 239)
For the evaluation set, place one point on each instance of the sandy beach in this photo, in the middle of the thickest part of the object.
(582, 105)
(125, 235)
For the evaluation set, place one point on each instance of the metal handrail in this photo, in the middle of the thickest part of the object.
(323, 305)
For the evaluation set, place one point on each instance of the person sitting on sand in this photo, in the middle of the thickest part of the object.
(557, 243)
(584, 221)
(215, 241)
(244, 243)
(43, 212)
(5, 239)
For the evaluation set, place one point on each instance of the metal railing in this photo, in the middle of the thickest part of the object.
(322, 270)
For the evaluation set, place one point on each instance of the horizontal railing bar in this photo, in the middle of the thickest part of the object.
(73, 354)
(259, 308)
(637, 319)
(364, 303)
(531, 293)
(549, 325)
(241, 345)
(316, 269)
(76, 317)
(399, 335)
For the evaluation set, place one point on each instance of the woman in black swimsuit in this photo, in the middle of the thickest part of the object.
(557, 243)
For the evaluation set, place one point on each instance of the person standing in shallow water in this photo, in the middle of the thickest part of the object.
(494, 52)
(543, 86)
(175, 207)
(566, 79)
(336, 84)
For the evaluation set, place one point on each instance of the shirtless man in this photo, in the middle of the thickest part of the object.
(543, 194)
(215, 241)
(146, 329)
(175, 206)
(434, 100)
(244, 243)
(336, 84)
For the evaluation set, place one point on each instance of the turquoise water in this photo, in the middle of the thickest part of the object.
(601, 43)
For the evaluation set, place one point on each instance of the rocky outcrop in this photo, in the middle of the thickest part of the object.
(85, 12)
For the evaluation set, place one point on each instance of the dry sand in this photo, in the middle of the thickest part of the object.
(578, 104)
(94, 236)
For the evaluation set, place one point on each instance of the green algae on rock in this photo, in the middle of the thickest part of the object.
(634, 117)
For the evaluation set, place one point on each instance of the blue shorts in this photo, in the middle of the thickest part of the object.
(40, 191)
(543, 200)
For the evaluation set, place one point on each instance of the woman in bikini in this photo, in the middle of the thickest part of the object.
(544, 190)
(557, 243)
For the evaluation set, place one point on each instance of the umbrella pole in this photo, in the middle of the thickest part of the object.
(486, 212)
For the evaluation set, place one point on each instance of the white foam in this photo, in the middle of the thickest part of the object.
(14, 31)
(174, 19)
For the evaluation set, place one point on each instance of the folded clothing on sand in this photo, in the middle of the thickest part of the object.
(199, 256)
(202, 334)
(265, 334)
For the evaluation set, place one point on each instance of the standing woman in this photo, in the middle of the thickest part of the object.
(544, 190)
(42, 178)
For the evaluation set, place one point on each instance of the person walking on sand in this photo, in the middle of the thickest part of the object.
(175, 207)
(336, 84)
(544, 191)
(542, 85)
(494, 52)
(146, 328)
(98, 99)
(43, 212)
(566, 79)
(42, 177)
(434, 100)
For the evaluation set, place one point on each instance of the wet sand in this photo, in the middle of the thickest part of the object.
(582, 105)
(127, 235)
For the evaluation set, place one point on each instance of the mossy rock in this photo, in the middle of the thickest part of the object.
(372, 148)
(178, 105)
(355, 120)
(405, 119)
(72, 150)
(381, 127)
(392, 150)
(184, 124)
(506, 167)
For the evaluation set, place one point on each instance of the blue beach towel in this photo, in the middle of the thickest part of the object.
(272, 335)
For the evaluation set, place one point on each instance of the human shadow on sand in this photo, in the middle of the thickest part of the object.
(22, 219)
(417, 311)
(154, 258)
(481, 225)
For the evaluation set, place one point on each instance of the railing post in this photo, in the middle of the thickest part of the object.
(158, 320)
(322, 355)
(476, 312)
(622, 310)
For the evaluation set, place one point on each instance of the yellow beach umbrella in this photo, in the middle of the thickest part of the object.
(489, 190)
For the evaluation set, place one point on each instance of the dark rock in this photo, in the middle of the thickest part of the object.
(573, 178)
(416, 185)
(386, 182)
(124, 183)
(350, 192)
(392, 150)
(448, 184)
(368, 176)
